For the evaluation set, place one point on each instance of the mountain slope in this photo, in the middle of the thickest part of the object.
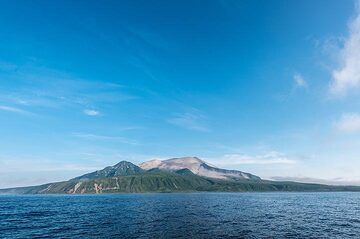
(178, 181)
(123, 168)
(198, 167)
(152, 181)
(126, 177)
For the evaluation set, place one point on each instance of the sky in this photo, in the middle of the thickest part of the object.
(266, 87)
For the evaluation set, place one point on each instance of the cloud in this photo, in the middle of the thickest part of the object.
(105, 137)
(347, 75)
(13, 109)
(299, 81)
(272, 157)
(92, 112)
(189, 120)
(24, 170)
(349, 123)
(33, 86)
(334, 181)
(21, 163)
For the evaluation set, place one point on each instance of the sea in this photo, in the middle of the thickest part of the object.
(182, 215)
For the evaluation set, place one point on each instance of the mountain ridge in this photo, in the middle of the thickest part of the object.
(123, 168)
(126, 177)
(198, 167)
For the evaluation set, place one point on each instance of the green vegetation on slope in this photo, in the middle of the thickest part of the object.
(160, 181)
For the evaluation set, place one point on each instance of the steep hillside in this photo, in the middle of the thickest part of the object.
(123, 168)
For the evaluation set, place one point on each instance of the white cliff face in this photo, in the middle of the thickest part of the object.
(195, 165)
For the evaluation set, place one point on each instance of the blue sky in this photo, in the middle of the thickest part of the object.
(272, 88)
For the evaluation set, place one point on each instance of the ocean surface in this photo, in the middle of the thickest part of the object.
(191, 215)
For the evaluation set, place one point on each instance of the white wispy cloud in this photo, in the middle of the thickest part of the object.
(189, 120)
(300, 82)
(347, 75)
(52, 88)
(24, 170)
(105, 137)
(21, 163)
(348, 123)
(331, 181)
(272, 157)
(13, 109)
(90, 112)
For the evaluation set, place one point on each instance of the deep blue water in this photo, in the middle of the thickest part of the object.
(193, 215)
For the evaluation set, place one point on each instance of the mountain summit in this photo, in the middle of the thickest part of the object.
(198, 167)
(123, 168)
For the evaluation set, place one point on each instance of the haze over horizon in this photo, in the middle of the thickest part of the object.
(269, 88)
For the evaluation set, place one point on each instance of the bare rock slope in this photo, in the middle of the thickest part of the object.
(198, 167)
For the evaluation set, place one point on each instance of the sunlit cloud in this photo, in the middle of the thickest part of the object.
(92, 112)
(348, 123)
(299, 81)
(347, 74)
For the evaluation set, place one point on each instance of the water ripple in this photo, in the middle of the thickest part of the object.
(198, 215)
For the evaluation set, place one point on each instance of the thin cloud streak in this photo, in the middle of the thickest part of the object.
(272, 157)
(105, 137)
(54, 89)
(189, 120)
(14, 110)
(334, 181)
